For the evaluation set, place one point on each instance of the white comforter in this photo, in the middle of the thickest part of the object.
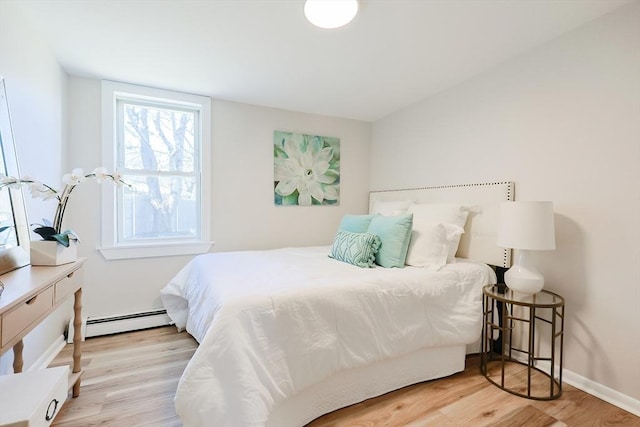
(271, 323)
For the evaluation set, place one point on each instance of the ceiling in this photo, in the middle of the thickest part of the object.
(264, 52)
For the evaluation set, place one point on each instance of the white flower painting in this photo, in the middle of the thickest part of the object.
(306, 169)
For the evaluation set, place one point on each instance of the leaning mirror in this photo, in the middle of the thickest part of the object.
(14, 229)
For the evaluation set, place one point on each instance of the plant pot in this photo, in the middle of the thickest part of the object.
(44, 252)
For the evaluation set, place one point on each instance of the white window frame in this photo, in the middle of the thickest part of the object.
(110, 248)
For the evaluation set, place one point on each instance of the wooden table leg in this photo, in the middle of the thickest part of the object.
(77, 339)
(18, 362)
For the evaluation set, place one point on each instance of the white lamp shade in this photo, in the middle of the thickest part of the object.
(526, 225)
(330, 13)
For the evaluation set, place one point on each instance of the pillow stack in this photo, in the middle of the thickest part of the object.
(401, 232)
(353, 242)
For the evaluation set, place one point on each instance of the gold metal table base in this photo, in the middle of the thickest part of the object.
(517, 329)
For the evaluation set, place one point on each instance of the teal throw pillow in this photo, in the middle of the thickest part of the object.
(395, 234)
(355, 223)
(355, 248)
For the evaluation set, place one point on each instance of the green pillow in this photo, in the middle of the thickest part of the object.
(355, 223)
(355, 248)
(395, 234)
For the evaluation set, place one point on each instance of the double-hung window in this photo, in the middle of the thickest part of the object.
(158, 141)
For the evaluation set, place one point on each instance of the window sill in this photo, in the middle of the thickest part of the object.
(154, 250)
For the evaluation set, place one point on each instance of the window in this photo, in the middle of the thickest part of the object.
(158, 141)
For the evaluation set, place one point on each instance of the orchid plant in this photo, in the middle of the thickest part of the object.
(53, 231)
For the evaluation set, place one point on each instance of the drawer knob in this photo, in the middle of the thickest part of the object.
(51, 411)
(32, 300)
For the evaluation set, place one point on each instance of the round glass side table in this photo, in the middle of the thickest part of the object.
(522, 339)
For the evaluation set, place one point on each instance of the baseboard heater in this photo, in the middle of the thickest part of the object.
(98, 326)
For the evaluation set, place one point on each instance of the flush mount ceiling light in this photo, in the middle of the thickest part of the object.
(330, 13)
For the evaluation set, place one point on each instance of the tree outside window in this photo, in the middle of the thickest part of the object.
(158, 156)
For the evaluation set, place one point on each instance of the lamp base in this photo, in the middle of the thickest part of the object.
(524, 279)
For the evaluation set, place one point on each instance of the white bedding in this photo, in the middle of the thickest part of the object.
(271, 323)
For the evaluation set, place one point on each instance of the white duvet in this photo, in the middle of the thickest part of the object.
(271, 323)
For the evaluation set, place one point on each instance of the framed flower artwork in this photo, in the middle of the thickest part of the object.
(306, 169)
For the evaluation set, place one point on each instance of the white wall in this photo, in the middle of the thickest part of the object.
(563, 122)
(244, 216)
(243, 213)
(35, 90)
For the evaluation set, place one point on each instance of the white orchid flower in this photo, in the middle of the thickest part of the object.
(306, 169)
(39, 190)
(101, 174)
(74, 178)
(117, 178)
(10, 181)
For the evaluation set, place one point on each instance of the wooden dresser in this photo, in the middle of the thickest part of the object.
(32, 293)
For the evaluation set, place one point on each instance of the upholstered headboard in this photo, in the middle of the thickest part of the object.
(479, 241)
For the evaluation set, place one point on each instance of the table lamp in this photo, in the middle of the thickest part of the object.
(526, 226)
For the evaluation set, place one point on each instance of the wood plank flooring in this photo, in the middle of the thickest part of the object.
(130, 380)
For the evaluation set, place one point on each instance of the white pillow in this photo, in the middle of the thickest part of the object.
(444, 213)
(454, 233)
(391, 208)
(429, 246)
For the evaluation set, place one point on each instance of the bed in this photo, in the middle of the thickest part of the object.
(290, 334)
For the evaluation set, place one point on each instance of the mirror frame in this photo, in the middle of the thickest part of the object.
(15, 256)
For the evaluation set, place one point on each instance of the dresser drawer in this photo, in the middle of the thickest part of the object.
(33, 398)
(25, 314)
(67, 286)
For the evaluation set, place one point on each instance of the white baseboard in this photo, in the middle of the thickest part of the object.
(49, 354)
(602, 392)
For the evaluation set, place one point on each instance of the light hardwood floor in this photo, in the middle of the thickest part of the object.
(130, 380)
